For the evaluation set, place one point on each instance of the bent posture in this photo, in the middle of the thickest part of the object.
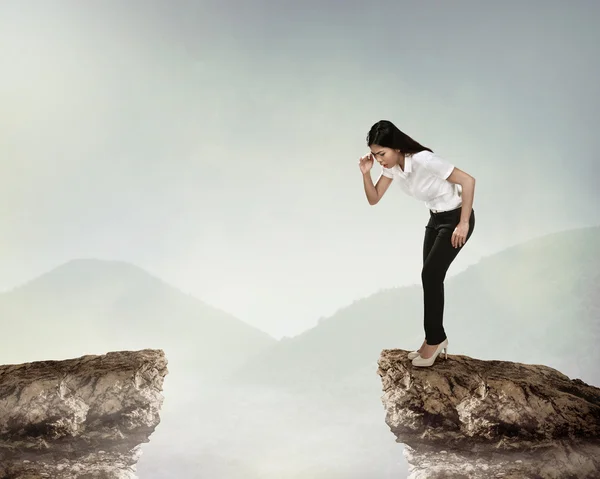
(448, 193)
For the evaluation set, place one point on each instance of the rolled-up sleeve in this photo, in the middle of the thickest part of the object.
(438, 165)
(387, 172)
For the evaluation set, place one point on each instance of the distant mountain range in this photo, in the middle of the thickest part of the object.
(89, 306)
(536, 302)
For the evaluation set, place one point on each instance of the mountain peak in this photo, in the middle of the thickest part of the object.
(81, 273)
(88, 304)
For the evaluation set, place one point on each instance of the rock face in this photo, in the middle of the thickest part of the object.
(467, 418)
(79, 418)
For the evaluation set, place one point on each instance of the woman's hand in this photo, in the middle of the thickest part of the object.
(460, 234)
(366, 163)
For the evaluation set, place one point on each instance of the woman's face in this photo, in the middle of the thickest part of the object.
(385, 156)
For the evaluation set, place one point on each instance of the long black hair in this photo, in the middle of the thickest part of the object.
(385, 133)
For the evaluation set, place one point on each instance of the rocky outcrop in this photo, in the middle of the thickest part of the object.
(468, 418)
(79, 418)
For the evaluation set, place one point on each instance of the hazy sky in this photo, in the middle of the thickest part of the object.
(215, 144)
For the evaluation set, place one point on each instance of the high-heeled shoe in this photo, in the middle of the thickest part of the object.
(413, 354)
(419, 361)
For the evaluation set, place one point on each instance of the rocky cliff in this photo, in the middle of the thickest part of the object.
(467, 418)
(79, 418)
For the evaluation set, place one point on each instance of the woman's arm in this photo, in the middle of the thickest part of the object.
(375, 192)
(467, 182)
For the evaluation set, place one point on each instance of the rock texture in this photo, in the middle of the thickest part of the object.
(79, 418)
(468, 418)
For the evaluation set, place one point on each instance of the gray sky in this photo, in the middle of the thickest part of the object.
(215, 144)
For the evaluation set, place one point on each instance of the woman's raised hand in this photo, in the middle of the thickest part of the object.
(366, 163)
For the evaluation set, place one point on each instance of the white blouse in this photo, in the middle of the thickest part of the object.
(424, 178)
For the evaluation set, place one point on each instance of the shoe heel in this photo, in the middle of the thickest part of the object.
(446, 352)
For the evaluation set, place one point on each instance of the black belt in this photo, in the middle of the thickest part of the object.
(445, 211)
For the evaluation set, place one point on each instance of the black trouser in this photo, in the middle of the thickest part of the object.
(438, 254)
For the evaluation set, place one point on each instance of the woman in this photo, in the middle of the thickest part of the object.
(429, 178)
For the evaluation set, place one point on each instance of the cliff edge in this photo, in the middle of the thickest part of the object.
(469, 418)
(79, 418)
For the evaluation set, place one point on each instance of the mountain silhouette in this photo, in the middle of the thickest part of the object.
(90, 306)
(535, 302)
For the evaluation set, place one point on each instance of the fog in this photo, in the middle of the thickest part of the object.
(214, 144)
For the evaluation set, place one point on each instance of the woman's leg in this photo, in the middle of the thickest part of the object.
(435, 266)
(428, 241)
